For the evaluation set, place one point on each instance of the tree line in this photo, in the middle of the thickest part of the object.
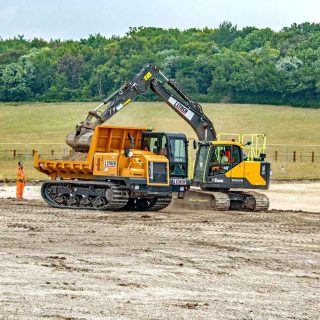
(225, 64)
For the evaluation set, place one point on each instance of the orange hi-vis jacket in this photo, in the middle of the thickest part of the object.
(21, 177)
(21, 180)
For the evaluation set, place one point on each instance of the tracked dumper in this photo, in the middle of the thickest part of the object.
(116, 173)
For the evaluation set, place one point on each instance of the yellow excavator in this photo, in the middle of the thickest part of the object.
(139, 169)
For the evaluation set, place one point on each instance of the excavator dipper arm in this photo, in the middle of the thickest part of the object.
(80, 139)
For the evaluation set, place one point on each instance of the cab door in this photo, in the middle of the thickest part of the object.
(177, 153)
(218, 167)
(200, 167)
(236, 172)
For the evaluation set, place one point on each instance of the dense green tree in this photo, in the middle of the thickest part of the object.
(70, 67)
(225, 34)
(13, 84)
(247, 65)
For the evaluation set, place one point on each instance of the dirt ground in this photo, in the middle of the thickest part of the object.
(303, 196)
(67, 264)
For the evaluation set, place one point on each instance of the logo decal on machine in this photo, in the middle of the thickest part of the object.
(110, 163)
(237, 180)
(181, 182)
(181, 108)
(119, 107)
(147, 76)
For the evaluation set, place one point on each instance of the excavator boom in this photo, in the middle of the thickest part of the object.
(150, 77)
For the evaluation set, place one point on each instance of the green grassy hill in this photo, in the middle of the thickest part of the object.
(51, 122)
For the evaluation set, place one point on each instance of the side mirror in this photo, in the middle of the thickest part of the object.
(249, 143)
(195, 144)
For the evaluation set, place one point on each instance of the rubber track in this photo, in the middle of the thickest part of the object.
(160, 203)
(119, 200)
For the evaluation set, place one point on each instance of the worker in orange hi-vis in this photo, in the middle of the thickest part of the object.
(21, 180)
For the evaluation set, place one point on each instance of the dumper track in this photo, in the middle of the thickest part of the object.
(155, 204)
(84, 195)
(160, 203)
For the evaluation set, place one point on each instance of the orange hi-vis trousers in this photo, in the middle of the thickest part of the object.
(20, 188)
(21, 180)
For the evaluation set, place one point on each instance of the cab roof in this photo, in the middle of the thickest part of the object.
(234, 143)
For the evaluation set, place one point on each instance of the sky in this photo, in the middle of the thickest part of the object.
(76, 19)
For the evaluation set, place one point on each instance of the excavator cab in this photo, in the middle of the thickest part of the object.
(223, 165)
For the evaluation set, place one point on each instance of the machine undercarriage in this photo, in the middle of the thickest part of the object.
(197, 199)
(94, 195)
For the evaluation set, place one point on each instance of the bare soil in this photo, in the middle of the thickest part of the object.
(283, 195)
(73, 264)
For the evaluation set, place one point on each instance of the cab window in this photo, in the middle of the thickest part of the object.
(178, 150)
(200, 163)
(151, 144)
(164, 146)
(220, 160)
(178, 157)
(236, 156)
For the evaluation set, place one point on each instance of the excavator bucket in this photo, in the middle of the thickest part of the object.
(201, 200)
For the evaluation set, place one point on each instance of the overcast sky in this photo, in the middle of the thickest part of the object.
(75, 19)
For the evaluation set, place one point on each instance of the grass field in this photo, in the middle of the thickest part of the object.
(50, 123)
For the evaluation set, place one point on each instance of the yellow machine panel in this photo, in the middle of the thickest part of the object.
(249, 170)
(252, 173)
(117, 164)
(106, 164)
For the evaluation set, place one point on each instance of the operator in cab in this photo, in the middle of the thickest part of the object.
(220, 165)
(163, 150)
(223, 157)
